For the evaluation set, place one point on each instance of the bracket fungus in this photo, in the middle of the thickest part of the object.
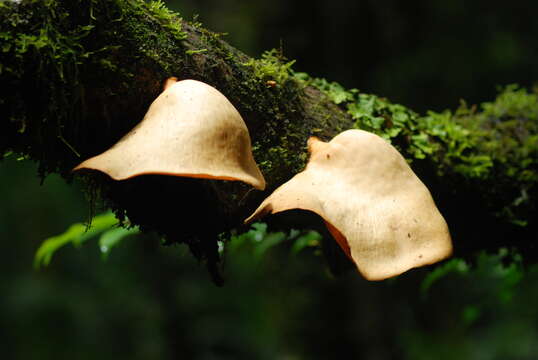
(376, 208)
(190, 130)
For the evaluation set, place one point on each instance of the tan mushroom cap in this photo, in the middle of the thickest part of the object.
(376, 208)
(190, 130)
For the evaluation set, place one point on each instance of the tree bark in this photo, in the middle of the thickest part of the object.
(77, 75)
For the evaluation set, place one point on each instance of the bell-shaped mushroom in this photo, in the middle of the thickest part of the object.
(190, 130)
(376, 208)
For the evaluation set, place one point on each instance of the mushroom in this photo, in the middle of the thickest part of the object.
(190, 130)
(375, 207)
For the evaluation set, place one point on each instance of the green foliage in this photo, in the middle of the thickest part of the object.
(508, 129)
(266, 82)
(458, 266)
(112, 238)
(64, 47)
(259, 241)
(391, 121)
(456, 144)
(192, 52)
(467, 140)
(333, 90)
(272, 66)
(311, 239)
(505, 269)
(512, 101)
(104, 224)
(497, 145)
(169, 19)
(63, 50)
(482, 300)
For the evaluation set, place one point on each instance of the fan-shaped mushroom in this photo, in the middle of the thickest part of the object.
(190, 130)
(376, 208)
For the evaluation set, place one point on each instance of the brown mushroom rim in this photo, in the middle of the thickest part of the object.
(197, 176)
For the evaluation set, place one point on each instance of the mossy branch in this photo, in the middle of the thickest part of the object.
(77, 75)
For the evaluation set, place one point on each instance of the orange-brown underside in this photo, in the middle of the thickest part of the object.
(340, 239)
(198, 176)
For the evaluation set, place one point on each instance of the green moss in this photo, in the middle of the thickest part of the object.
(495, 144)
(333, 90)
(94, 67)
(154, 31)
(467, 140)
(477, 144)
(506, 131)
(280, 157)
(48, 57)
(192, 52)
(272, 66)
(257, 88)
(59, 45)
(169, 20)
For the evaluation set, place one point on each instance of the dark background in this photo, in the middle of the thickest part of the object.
(426, 54)
(151, 302)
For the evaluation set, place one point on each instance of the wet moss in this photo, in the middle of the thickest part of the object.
(481, 162)
(60, 68)
(471, 141)
(77, 75)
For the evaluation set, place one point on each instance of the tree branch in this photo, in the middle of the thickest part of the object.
(77, 75)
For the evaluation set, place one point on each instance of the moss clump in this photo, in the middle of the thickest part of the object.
(64, 53)
(278, 128)
(504, 134)
(394, 122)
(47, 58)
(507, 130)
(77, 75)
(488, 152)
(154, 32)
(168, 19)
(467, 141)
(273, 68)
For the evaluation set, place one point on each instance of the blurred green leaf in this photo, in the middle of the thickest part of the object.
(267, 242)
(452, 266)
(310, 239)
(111, 238)
(504, 268)
(258, 241)
(470, 314)
(76, 234)
(255, 234)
